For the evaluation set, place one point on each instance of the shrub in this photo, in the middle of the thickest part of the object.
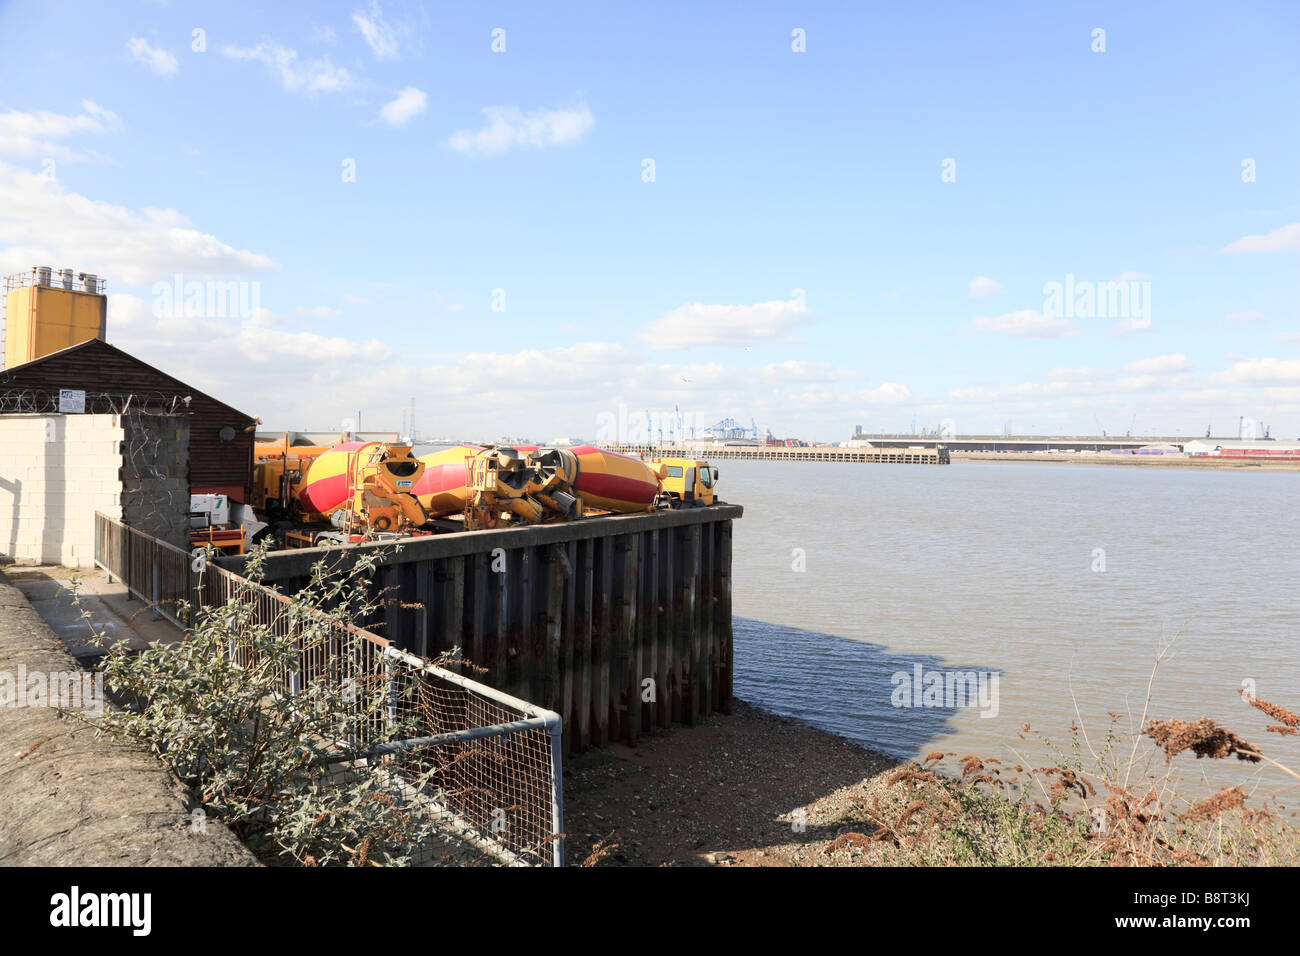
(273, 765)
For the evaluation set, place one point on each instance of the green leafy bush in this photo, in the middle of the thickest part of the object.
(258, 713)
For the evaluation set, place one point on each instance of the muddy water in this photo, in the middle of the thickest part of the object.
(1045, 587)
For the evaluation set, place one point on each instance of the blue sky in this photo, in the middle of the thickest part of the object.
(502, 257)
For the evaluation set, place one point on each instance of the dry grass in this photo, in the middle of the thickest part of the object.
(1122, 810)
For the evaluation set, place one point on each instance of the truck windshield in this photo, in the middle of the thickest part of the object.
(706, 477)
(674, 471)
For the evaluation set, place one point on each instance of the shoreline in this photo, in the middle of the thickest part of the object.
(721, 793)
(1151, 461)
(754, 788)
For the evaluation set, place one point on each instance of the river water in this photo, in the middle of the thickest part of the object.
(1047, 587)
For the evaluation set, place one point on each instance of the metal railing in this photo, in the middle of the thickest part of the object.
(489, 764)
(156, 572)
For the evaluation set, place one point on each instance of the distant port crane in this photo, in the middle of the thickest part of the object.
(729, 428)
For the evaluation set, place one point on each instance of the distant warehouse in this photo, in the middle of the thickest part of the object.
(1243, 448)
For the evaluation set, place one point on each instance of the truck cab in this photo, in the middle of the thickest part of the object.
(684, 482)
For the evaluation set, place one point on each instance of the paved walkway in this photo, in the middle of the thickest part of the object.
(69, 796)
(114, 613)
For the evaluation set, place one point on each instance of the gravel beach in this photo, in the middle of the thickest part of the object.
(722, 793)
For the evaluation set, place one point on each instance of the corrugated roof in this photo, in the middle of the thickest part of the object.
(91, 344)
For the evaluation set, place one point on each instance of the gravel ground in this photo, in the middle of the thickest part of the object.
(723, 793)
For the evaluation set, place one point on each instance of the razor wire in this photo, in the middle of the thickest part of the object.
(38, 401)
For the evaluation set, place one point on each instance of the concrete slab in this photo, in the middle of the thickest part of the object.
(62, 596)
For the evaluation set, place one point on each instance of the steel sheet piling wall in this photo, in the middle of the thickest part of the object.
(621, 624)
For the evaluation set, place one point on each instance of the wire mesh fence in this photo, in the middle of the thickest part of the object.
(484, 762)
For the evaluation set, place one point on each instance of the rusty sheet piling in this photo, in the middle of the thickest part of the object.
(620, 623)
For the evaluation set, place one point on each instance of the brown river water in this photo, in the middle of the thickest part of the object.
(914, 608)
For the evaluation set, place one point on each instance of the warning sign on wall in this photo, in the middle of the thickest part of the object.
(72, 401)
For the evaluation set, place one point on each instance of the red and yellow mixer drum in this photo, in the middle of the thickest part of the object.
(443, 487)
(614, 482)
(324, 489)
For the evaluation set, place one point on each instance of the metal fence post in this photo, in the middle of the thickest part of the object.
(390, 681)
(153, 604)
(557, 790)
(126, 562)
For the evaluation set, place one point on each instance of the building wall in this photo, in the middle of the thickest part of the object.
(55, 472)
(111, 378)
(155, 476)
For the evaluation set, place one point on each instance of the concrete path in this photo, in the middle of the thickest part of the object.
(115, 614)
(71, 797)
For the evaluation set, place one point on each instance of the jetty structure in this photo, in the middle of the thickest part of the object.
(618, 622)
(937, 454)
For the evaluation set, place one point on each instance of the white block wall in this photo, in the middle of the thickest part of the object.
(56, 471)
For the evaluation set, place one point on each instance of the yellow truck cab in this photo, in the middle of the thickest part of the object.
(684, 482)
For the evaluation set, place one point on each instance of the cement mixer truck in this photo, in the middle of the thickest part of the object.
(359, 489)
(355, 487)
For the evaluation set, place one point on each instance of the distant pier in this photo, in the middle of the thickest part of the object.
(882, 456)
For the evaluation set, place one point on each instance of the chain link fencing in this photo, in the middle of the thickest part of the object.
(487, 765)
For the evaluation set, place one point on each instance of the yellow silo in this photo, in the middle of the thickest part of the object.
(46, 311)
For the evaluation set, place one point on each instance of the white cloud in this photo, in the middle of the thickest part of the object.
(981, 286)
(156, 59)
(1026, 322)
(262, 345)
(1287, 338)
(889, 393)
(1075, 383)
(1243, 318)
(230, 358)
(317, 311)
(107, 117)
(309, 77)
(1263, 371)
(509, 126)
(323, 35)
(380, 35)
(1284, 239)
(447, 304)
(43, 223)
(1083, 374)
(408, 103)
(698, 324)
(36, 134)
(1160, 364)
(1133, 325)
(793, 371)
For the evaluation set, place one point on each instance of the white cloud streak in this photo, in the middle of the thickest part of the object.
(154, 58)
(408, 103)
(1283, 239)
(1029, 323)
(380, 35)
(308, 77)
(41, 222)
(981, 286)
(509, 127)
(697, 324)
(37, 134)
